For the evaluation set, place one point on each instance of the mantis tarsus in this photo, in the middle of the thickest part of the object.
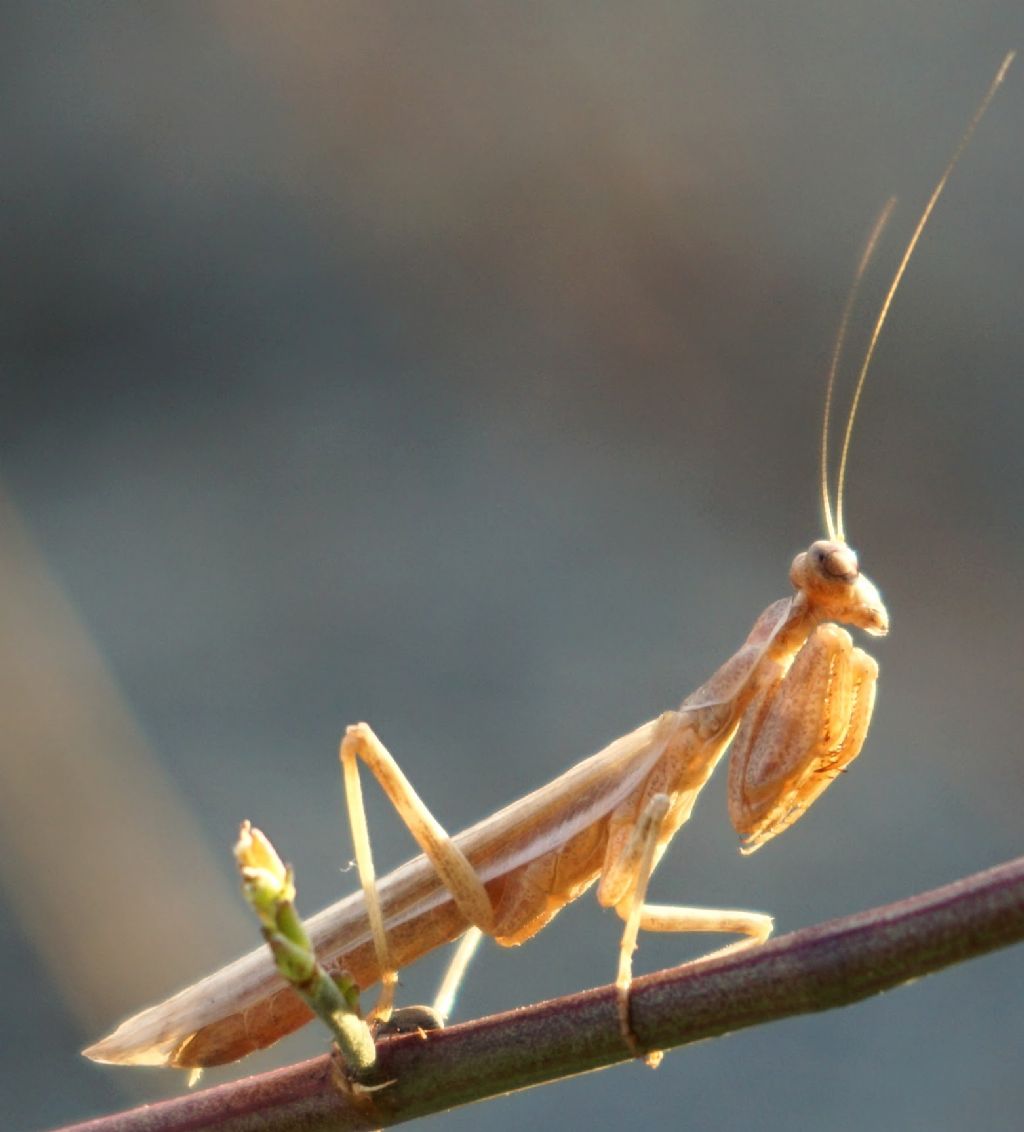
(794, 702)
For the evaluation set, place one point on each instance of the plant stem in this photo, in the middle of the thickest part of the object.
(269, 888)
(817, 968)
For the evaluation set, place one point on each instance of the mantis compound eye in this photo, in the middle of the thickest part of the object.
(835, 560)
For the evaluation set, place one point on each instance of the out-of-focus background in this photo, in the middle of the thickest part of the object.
(459, 367)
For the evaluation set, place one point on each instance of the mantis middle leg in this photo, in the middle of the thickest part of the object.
(794, 739)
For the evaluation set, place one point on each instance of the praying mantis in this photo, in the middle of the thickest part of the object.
(792, 707)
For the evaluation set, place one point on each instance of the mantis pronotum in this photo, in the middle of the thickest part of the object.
(794, 702)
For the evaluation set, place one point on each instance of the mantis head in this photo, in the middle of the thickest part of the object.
(829, 577)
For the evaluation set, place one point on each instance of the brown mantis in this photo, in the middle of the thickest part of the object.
(794, 703)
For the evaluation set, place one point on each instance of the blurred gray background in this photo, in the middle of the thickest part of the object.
(459, 367)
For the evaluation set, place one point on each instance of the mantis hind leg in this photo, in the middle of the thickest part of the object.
(456, 970)
(419, 1019)
(451, 863)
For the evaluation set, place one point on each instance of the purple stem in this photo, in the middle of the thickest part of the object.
(818, 968)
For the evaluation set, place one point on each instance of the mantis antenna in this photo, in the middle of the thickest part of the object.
(844, 323)
(835, 528)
